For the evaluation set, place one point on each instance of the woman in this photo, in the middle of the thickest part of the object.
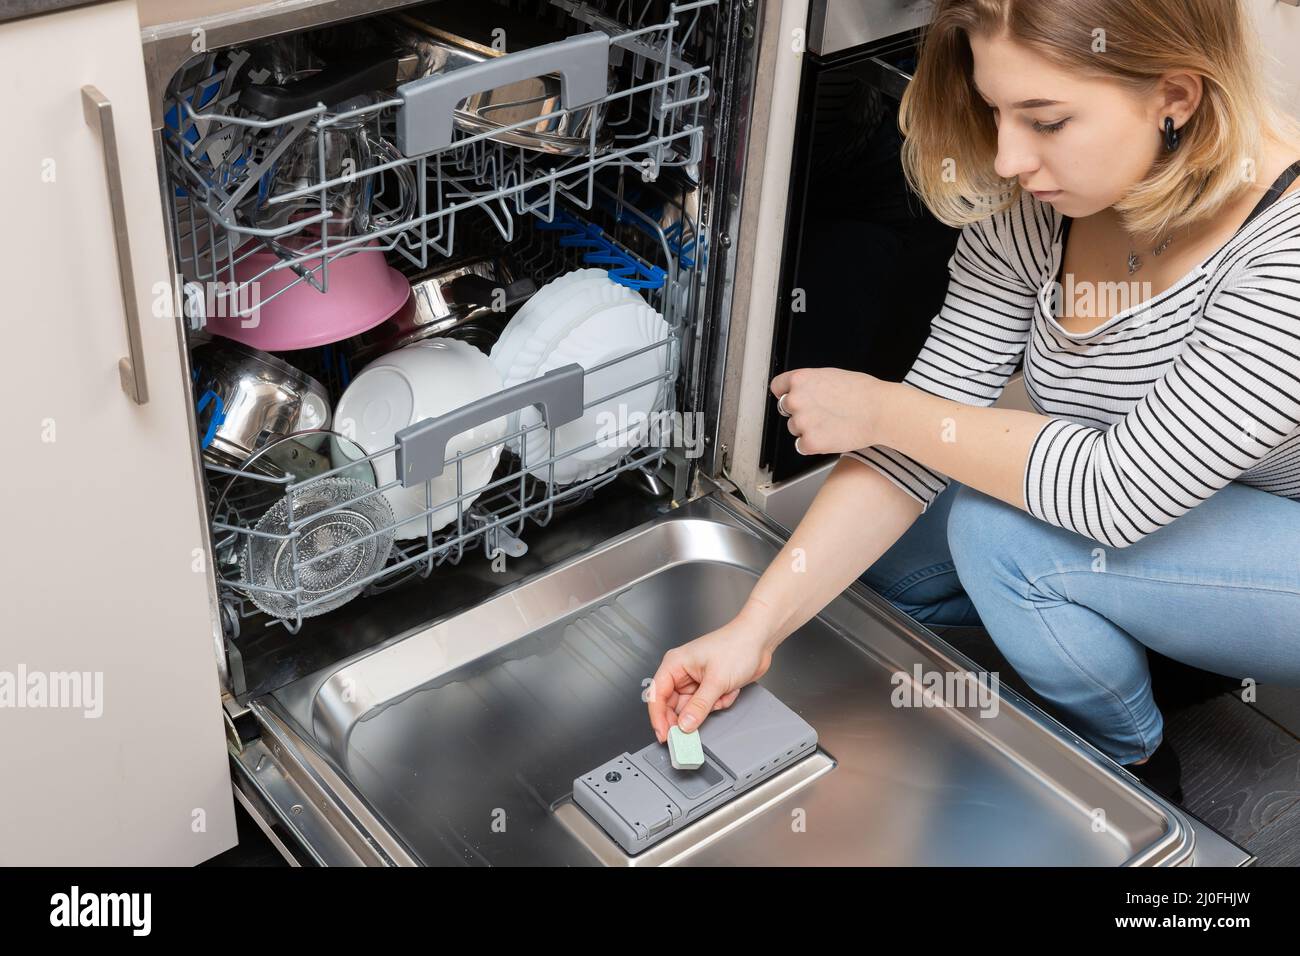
(1145, 265)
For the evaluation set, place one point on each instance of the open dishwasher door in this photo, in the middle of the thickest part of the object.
(458, 743)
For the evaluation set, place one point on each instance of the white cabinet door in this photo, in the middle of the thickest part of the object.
(110, 721)
(1279, 29)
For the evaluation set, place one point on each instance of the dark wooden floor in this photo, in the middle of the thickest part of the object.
(1241, 761)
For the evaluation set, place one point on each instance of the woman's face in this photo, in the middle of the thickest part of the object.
(1078, 143)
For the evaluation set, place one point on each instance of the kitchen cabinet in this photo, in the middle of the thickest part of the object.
(104, 569)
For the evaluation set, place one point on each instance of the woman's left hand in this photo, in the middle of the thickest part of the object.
(829, 409)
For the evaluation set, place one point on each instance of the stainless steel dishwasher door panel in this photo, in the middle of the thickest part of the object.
(465, 737)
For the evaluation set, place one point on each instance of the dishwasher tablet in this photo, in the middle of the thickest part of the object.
(640, 798)
(684, 750)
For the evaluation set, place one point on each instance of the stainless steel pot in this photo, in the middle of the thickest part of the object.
(459, 300)
(247, 397)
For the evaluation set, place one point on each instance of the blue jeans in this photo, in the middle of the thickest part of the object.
(1218, 588)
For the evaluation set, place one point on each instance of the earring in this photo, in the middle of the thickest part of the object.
(1172, 136)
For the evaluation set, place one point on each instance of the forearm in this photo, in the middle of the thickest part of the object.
(985, 448)
(855, 517)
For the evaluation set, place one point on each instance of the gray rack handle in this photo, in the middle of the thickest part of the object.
(422, 447)
(424, 120)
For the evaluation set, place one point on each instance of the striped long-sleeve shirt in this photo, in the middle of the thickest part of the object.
(1151, 412)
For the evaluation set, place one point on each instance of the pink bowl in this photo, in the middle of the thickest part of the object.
(363, 291)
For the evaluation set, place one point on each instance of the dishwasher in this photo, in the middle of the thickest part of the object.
(433, 697)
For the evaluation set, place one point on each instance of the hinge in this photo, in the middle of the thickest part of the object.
(241, 726)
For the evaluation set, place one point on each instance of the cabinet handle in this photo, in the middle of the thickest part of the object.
(99, 116)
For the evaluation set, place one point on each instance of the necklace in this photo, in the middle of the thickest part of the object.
(1135, 261)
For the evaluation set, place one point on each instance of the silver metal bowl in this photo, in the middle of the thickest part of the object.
(257, 397)
(446, 301)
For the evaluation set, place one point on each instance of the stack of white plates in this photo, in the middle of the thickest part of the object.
(586, 317)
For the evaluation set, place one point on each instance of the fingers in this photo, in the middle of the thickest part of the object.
(670, 690)
(700, 704)
(785, 382)
(662, 696)
(678, 698)
(780, 387)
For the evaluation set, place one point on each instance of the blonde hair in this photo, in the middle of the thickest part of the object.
(951, 139)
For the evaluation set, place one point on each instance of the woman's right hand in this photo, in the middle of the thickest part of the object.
(706, 674)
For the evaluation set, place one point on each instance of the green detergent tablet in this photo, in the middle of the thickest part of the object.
(685, 750)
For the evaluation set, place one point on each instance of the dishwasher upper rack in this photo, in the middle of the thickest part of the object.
(513, 497)
(218, 161)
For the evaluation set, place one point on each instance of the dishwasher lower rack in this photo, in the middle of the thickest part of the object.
(294, 538)
(240, 183)
(288, 549)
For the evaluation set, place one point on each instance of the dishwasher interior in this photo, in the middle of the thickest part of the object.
(460, 744)
(312, 178)
(429, 635)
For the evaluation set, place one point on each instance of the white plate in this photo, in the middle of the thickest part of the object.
(517, 330)
(566, 316)
(619, 423)
(564, 302)
(562, 317)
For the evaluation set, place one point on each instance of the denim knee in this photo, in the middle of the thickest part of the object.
(995, 544)
(978, 526)
(1016, 570)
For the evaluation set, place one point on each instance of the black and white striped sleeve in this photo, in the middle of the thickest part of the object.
(1231, 396)
(979, 335)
